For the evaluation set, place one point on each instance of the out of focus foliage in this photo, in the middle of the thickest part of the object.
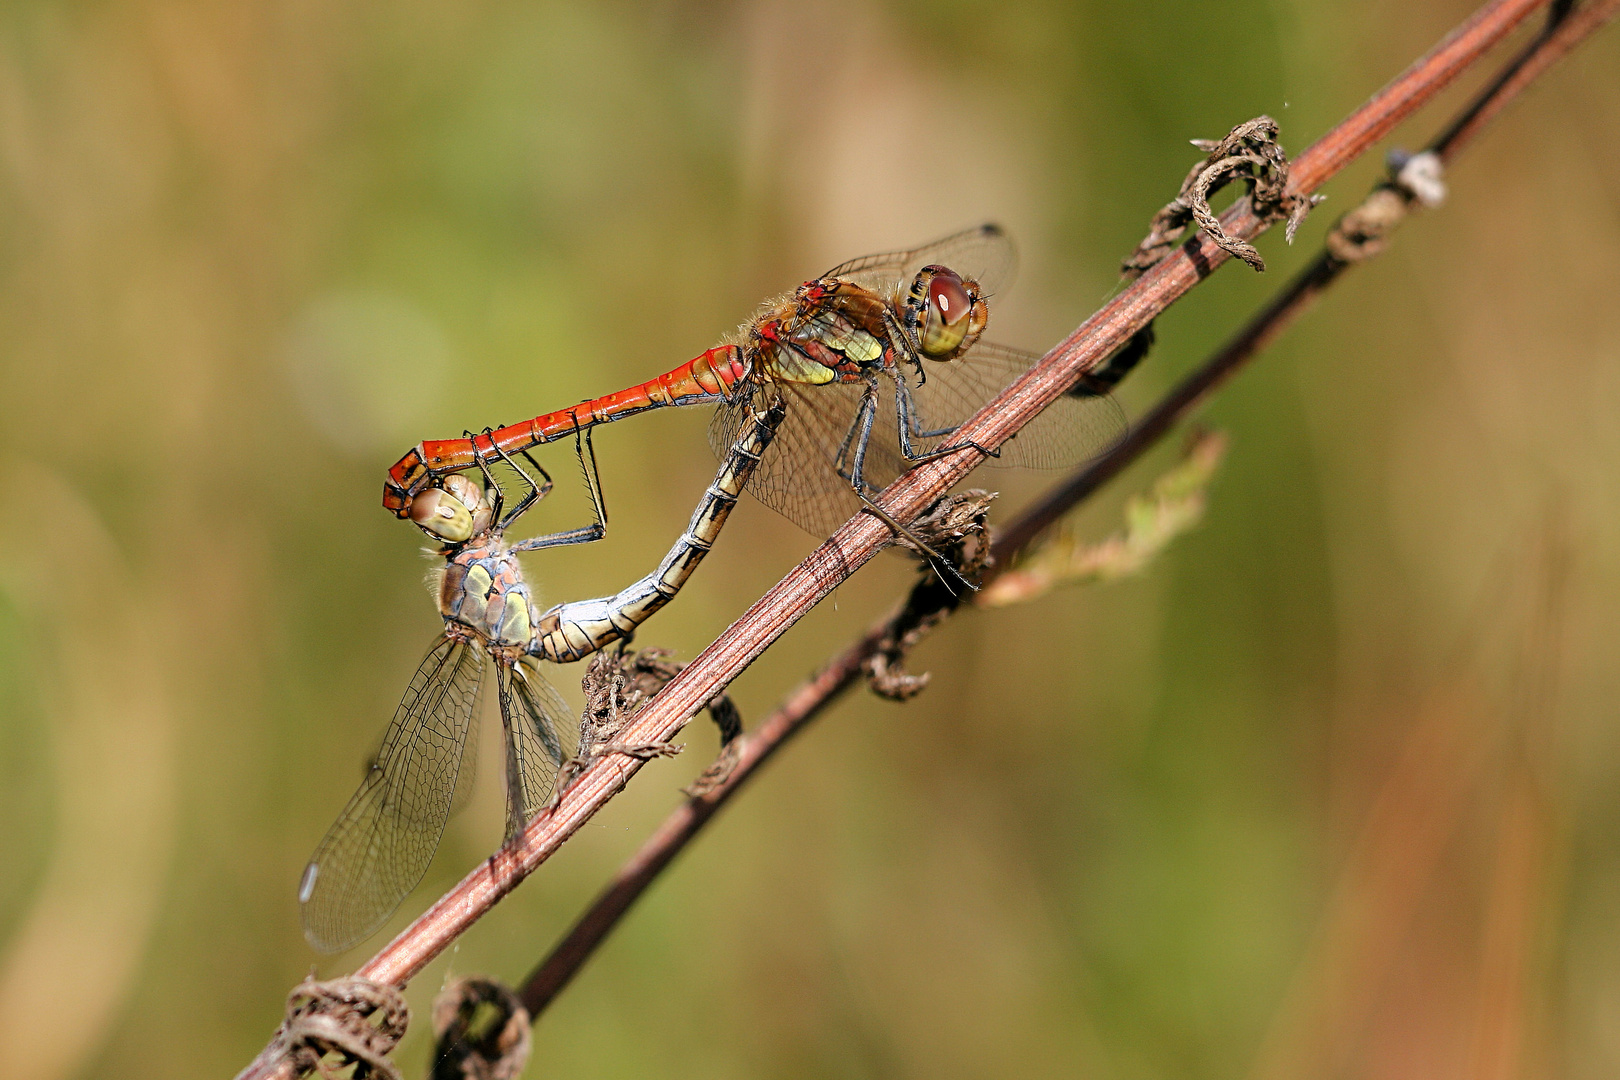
(1175, 504)
(1331, 789)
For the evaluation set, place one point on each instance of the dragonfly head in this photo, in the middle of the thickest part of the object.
(455, 509)
(944, 312)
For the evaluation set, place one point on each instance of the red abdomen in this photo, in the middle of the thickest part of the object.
(705, 380)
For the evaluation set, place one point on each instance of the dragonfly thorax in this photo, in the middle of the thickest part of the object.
(836, 331)
(482, 590)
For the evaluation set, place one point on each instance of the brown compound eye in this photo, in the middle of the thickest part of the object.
(946, 316)
(452, 512)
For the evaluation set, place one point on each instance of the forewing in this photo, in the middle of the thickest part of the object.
(380, 846)
(1069, 431)
(984, 253)
(467, 775)
(798, 475)
(541, 731)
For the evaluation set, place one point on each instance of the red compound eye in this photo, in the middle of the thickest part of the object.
(948, 299)
(945, 323)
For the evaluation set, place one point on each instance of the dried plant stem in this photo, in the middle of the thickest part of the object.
(845, 669)
(863, 536)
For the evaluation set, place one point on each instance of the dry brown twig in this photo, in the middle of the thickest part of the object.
(352, 1021)
(1250, 153)
(1106, 331)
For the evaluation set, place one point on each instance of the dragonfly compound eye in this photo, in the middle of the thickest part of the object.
(952, 316)
(442, 515)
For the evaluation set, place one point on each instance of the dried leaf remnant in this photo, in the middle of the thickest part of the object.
(1251, 153)
(341, 1023)
(481, 1031)
(617, 685)
(955, 527)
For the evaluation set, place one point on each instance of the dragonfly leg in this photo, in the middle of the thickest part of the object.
(585, 534)
(496, 497)
(902, 341)
(535, 493)
(910, 428)
(860, 436)
(940, 564)
(857, 480)
(586, 453)
(843, 449)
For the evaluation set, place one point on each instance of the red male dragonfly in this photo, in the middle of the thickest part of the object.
(878, 362)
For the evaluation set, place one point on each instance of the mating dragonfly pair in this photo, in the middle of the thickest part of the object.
(822, 398)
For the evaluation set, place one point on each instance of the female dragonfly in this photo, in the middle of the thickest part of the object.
(381, 844)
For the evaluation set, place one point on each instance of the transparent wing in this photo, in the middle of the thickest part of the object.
(541, 732)
(380, 846)
(1069, 431)
(798, 475)
(467, 775)
(984, 253)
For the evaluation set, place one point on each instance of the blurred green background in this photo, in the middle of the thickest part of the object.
(1333, 789)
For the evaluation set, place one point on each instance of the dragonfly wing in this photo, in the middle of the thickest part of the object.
(541, 732)
(984, 253)
(798, 476)
(467, 775)
(380, 846)
(1069, 431)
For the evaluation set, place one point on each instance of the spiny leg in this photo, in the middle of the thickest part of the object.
(910, 428)
(941, 565)
(536, 491)
(860, 436)
(498, 497)
(586, 454)
(585, 534)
